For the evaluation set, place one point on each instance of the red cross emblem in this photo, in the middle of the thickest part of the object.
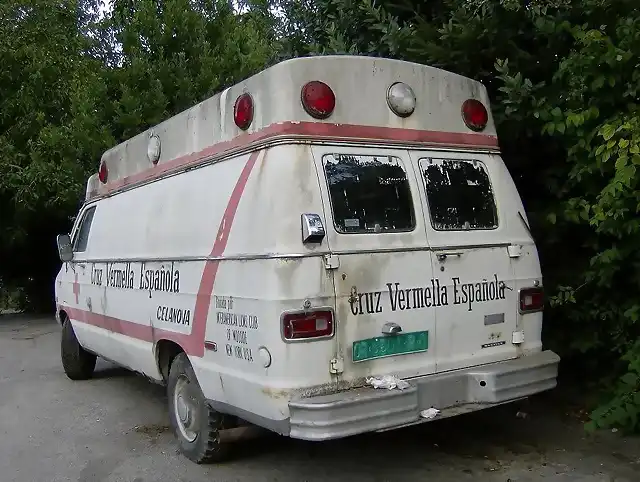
(76, 288)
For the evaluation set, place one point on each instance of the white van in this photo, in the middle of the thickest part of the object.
(332, 247)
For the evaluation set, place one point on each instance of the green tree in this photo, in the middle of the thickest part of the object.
(49, 133)
(589, 107)
(73, 85)
(169, 55)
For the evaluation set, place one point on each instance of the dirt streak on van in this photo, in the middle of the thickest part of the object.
(271, 252)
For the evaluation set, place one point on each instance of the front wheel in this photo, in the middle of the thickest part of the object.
(195, 424)
(77, 362)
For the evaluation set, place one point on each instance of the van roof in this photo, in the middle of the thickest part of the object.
(207, 130)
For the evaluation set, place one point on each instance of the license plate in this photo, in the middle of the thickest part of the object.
(382, 346)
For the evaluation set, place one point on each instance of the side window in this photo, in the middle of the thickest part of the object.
(369, 194)
(459, 195)
(82, 235)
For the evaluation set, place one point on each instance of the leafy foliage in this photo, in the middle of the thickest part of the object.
(589, 108)
(564, 80)
(45, 123)
(73, 84)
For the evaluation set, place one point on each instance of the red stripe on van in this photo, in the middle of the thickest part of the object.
(193, 344)
(310, 129)
(203, 300)
(123, 327)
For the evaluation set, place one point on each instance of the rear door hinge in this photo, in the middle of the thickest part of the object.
(337, 366)
(331, 261)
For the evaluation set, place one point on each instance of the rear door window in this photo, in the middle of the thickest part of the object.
(459, 194)
(369, 194)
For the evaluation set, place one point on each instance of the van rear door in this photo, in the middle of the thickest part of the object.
(385, 293)
(469, 238)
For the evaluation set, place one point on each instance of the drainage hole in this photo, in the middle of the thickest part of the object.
(483, 383)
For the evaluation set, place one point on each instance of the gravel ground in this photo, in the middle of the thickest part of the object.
(114, 429)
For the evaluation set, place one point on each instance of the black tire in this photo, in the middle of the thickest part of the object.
(77, 362)
(206, 447)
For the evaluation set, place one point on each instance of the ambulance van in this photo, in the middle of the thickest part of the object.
(332, 247)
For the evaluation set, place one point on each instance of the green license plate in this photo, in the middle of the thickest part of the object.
(382, 346)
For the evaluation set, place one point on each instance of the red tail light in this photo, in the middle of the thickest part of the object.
(531, 300)
(318, 99)
(474, 114)
(305, 325)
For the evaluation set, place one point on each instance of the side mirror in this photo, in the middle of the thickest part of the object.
(65, 251)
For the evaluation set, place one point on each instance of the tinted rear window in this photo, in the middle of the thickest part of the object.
(369, 194)
(459, 194)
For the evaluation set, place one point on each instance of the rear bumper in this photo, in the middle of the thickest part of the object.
(461, 391)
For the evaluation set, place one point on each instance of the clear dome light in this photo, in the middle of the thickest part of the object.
(401, 99)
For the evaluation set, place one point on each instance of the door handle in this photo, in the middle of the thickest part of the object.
(443, 256)
(503, 285)
(391, 329)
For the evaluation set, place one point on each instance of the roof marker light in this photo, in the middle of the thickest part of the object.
(474, 114)
(401, 99)
(318, 99)
(103, 172)
(153, 148)
(243, 111)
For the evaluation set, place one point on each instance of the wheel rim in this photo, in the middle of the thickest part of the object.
(185, 409)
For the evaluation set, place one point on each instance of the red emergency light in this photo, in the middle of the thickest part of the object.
(243, 111)
(318, 99)
(103, 172)
(475, 115)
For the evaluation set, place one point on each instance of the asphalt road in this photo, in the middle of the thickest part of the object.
(114, 429)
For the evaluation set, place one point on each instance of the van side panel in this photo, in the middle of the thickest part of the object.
(268, 271)
(141, 272)
(152, 247)
(142, 243)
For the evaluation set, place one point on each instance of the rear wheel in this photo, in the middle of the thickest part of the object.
(77, 362)
(196, 425)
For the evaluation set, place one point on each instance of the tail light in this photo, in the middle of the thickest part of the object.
(531, 300)
(475, 114)
(306, 325)
(318, 99)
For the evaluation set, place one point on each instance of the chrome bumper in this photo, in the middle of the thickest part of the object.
(453, 393)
